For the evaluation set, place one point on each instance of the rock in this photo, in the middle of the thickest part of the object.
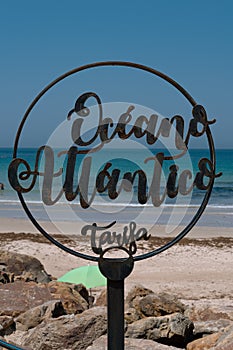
(101, 300)
(6, 277)
(72, 301)
(131, 315)
(23, 267)
(216, 341)
(36, 315)
(82, 290)
(145, 344)
(225, 341)
(202, 328)
(137, 291)
(174, 329)
(204, 343)
(54, 309)
(7, 325)
(205, 310)
(159, 305)
(17, 297)
(228, 346)
(70, 332)
(16, 338)
(131, 344)
(20, 296)
(147, 303)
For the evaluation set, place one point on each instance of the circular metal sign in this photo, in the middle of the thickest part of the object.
(113, 172)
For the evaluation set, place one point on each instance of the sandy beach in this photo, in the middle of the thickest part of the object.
(199, 266)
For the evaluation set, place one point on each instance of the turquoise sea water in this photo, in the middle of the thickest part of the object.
(125, 160)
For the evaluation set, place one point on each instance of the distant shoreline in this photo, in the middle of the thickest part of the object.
(213, 216)
(24, 225)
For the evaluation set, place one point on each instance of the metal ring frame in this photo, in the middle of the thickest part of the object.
(184, 93)
(9, 346)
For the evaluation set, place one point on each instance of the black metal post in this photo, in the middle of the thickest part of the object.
(116, 270)
(115, 290)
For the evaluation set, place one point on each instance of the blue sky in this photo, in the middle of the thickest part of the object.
(191, 41)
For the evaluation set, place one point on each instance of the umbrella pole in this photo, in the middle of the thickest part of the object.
(115, 292)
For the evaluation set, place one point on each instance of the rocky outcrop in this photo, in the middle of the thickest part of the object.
(16, 298)
(138, 291)
(7, 325)
(23, 267)
(33, 317)
(147, 303)
(217, 341)
(70, 332)
(211, 319)
(72, 301)
(131, 315)
(225, 341)
(6, 277)
(56, 315)
(174, 329)
(159, 305)
(203, 328)
(206, 343)
(205, 310)
(131, 344)
(82, 290)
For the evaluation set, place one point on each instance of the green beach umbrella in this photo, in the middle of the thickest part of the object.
(88, 275)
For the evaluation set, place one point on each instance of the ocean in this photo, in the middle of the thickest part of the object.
(125, 160)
